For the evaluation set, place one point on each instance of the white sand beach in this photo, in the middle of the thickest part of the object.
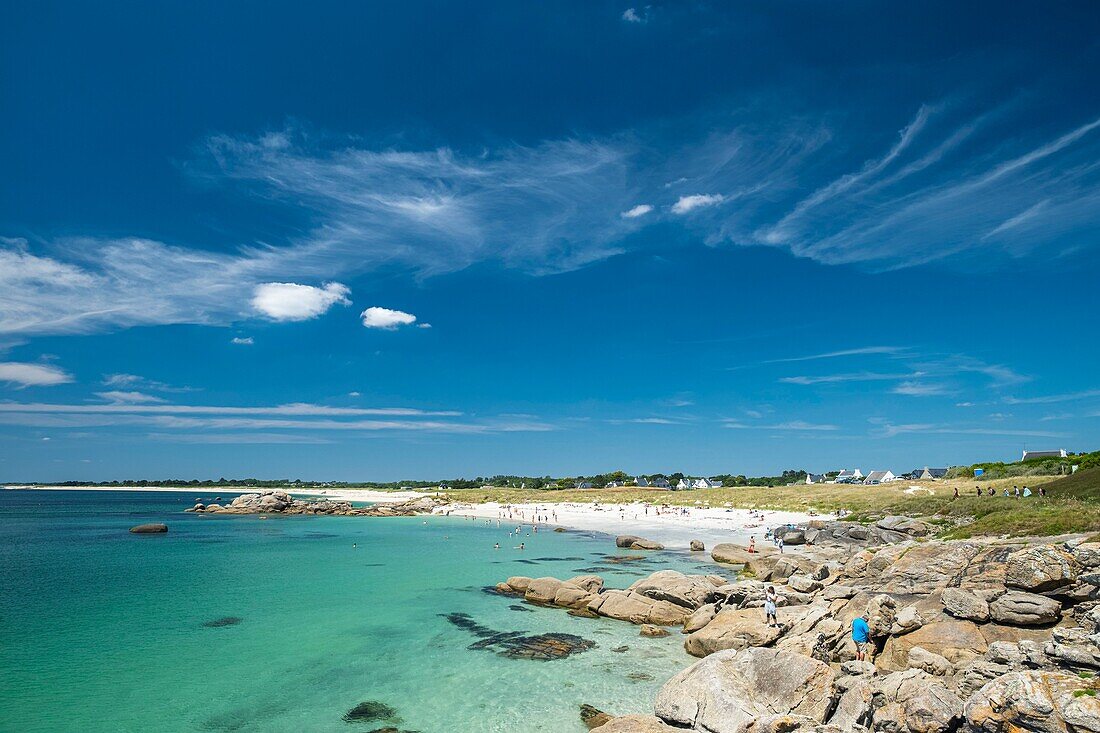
(674, 527)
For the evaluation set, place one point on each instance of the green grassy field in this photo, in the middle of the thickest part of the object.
(1072, 504)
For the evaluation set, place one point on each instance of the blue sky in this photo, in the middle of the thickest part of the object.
(367, 241)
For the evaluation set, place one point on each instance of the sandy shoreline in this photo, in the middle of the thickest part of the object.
(673, 527)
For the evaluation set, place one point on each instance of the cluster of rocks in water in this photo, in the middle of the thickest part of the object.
(280, 502)
(992, 636)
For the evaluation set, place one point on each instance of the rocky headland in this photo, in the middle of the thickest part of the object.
(989, 636)
(280, 502)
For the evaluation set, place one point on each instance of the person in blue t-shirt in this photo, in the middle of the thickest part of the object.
(861, 633)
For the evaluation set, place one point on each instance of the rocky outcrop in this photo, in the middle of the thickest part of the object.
(1040, 569)
(637, 608)
(731, 690)
(697, 546)
(732, 629)
(1043, 702)
(274, 501)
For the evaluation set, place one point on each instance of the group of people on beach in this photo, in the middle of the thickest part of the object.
(1017, 492)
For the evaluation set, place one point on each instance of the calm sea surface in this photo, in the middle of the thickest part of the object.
(102, 630)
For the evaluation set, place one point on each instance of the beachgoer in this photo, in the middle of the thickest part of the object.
(978, 489)
(780, 545)
(520, 546)
(1016, 491)
(1042, 492)
(956, 494)
(770, 599)
(861, 635)
(991, 491)
(752, 545)
(496, 546)
(1006, 492)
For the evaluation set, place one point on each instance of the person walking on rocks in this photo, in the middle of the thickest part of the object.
(861, 634)
(770, 599)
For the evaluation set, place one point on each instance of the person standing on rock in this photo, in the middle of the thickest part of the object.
(861, 634)
(770, 599)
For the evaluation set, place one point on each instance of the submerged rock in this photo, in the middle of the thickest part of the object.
(223, 621)
(517, 645)
(593, 717)
(155, 528)
(370, 711)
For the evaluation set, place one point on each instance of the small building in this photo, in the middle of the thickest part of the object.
(613, 484)
(684, 483)
(705, 483)
(846, 477)
(815, 478)
(879, 477)
(660, 483)
(641, 481)
(1029, 454)
(929, 474)
(584, 484)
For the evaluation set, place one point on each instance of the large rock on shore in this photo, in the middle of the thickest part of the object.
(1040, 569)
(732, 629)
(637, 609)
(633, 542)
(1018, 608)
(965, 605)
(954, 640)
(1041, 702)
(730, 690)
(689, 591)
(636, 724)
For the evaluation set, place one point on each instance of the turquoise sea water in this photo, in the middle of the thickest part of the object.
(101, 630)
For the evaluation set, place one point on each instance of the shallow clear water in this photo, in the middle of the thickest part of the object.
(101, 630)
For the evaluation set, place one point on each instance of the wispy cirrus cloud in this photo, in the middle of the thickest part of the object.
(891, 430)
(797, 425)
(939, 185)
(848, 377)
(861, 351)
(23, 374)
(1054, 398)
(290, 417)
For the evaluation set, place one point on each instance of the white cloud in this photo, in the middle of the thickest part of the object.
(862, 351)
(32, 375)
(423, 325)
(630, 15)
(920, 389)
(122, 397)
(687, 204)
(851, 377)
(637, 211)
(242, 340)
(294, 417)
(1051, 399)
(294, 302)
(799, 425)
(354, 394)
(375, 317)
(136, 382)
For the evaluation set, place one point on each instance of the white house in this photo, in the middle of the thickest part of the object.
(879, 477)
(684, 483)
(927, 473)
(1044, 454)
(641, 481)
(660, 483)
(705, 483)
(815, 478)
(613, 484)
(584, 484)
(846, 476)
